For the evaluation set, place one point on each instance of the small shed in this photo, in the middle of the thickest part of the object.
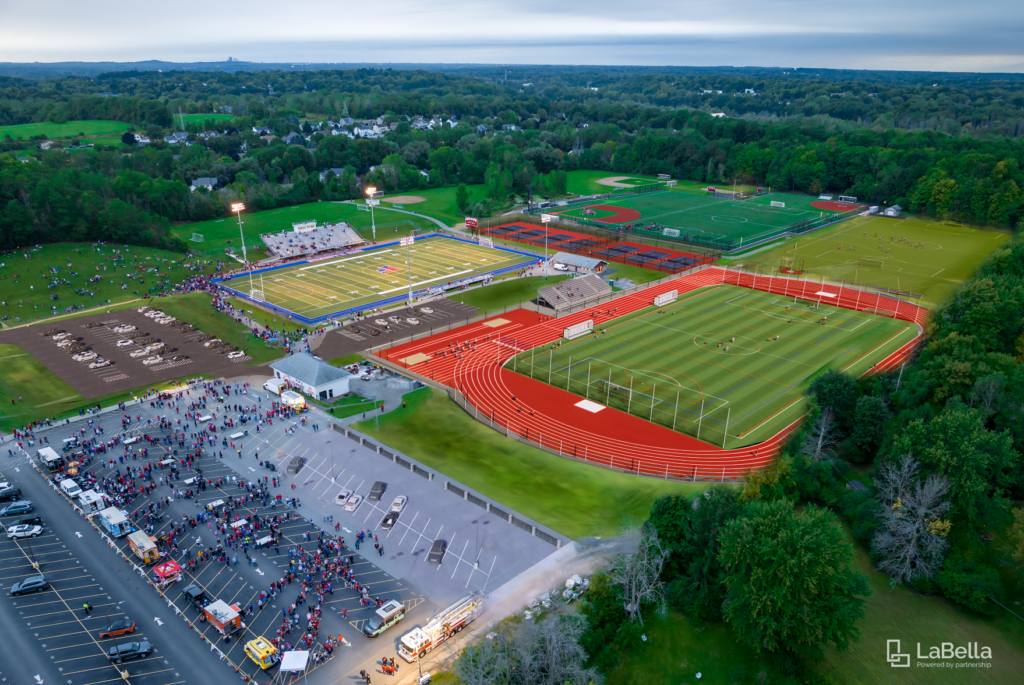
(312, 376)
(578, 263)
(893, 211)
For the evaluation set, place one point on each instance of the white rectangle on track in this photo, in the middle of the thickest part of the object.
(592, 407)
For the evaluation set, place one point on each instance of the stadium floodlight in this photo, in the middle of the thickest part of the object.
(407, 242)
(370, 192)
(237, 209)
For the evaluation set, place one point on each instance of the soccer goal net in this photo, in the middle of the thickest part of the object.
(874, 263)
(257, 295)
(776, 203)
(197, 237)
(848, 198)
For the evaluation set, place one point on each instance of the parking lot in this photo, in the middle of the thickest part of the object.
(483, 549)
(125, 371)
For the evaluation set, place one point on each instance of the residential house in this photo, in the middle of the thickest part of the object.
(206, 135)
(207, 182)
(175, 138)
(482, 128)
(750, 91)
(510, 127)
(227, 109)
(141, 139)
(342, 132)
(718, 115)
(419, 124)
(294, 138)
(362, 131)
(261, 130)
(338, 171)
(49, 145)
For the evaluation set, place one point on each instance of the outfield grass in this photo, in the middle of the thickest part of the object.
(219, 234)
(196, 309)
(503, 294)
(23, 282)
(440, 202)
(578, 500)
(739, 359)
(70, 129)
(347, 284)
(950, 254)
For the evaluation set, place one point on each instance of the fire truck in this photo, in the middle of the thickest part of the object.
(418, 641)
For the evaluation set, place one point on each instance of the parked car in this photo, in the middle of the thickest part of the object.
(342, 497)
(560, 267)
(30, 584)
(23, 531)
(426, 310)
(152, 360)
(99, 364)
(399, 503)
(389, 520)
(118, 628)
(236, 354)
(22, 507)
(124, 343)
(377, 491)
(195, 596)
(437, 551)
(31, 520)
(130, 650)
(413, 321)
(353, 502)
(9, 493)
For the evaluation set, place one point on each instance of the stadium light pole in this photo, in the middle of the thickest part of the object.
(373, 226)
(408, 241)
(237, 209)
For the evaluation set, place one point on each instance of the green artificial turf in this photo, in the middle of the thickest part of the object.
(950, 255)
(676, 363)
(219, 234)
(350, 283)
(637, 274)
(575, 499)
(70, 129)
(504, 293)
(24, 281)
(196, 309)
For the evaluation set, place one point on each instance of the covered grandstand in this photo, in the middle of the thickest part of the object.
(573, 293)
(307, 238)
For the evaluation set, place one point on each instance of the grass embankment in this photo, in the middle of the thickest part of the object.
(504, 293)
(219, 234)
(950, 254)
(575, 499)
(24, 281)
(71, 129)
(195, 308)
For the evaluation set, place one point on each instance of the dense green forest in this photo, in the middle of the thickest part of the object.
(516, 140)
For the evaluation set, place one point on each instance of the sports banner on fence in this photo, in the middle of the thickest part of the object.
(471, 222)
(576, 330)
(545, 218)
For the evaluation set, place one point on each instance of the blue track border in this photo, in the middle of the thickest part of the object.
(369, 305)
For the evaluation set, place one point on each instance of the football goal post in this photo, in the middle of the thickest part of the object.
(197, 238)
(257, 295)
(873, 263)
(848, 198)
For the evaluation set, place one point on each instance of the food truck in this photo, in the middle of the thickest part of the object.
(166, 572)
(293, 400)
(262, 652)
(226, 618)
(93, 502)
(144, 547)
(116, 523)
(49, 458)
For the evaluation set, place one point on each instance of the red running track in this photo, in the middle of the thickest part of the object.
(473, 357)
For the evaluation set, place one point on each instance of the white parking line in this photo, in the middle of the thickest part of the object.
(459, 560)
(408, 527)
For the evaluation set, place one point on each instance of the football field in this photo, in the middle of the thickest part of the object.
(375, 277)
(702, 217)
(721, 361)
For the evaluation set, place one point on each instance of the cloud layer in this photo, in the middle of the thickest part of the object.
(874, 34)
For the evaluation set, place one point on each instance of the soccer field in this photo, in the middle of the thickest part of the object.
(705, 218)
(720, 360)
(375, 277)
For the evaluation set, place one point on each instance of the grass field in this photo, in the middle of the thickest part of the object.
(70, 129)
(200, 118)
(219, 234)
(24, 281)
(440, 202)
(949, 255)
(351, 283)
(578, 500)
(700, 216)
(690, 363)
(503, 294)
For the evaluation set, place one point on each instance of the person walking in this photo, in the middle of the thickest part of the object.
(88, 609)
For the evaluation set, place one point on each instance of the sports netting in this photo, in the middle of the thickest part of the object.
(558, 238)
(532, 233)
(678, 264)
(579, 244)
(505, 230)
(617, 251)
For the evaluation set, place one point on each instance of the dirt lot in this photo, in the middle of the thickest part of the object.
(126, 372)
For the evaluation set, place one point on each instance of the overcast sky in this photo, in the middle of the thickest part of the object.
(932, 35)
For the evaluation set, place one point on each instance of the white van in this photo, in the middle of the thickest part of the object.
(275, 386)
(70, 488)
